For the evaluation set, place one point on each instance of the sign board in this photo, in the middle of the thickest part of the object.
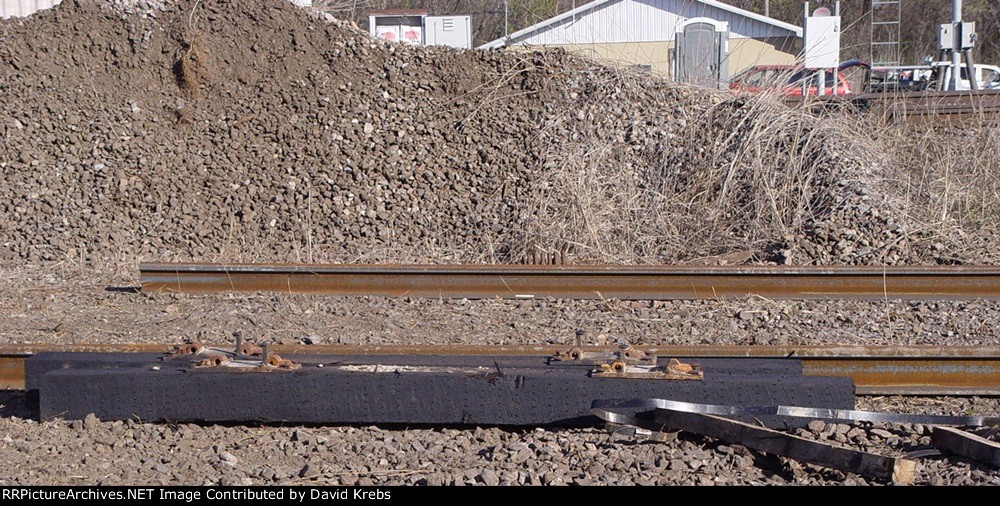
(400, 33)
(417, 28)
(411, 34)
(388, 32)
(822, 42)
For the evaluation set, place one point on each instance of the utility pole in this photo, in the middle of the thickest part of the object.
(956, 52)
(505, 25)
(805, 21)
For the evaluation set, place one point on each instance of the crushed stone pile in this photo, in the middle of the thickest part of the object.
(257, 131)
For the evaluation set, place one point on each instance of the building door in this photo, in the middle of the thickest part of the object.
(702, 52)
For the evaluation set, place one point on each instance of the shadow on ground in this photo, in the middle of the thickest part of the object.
(14, 403)
(123, 289)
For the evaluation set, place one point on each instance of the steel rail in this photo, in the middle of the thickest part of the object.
(604, 408)
(914, 106)
(876, 370)
(579, 281)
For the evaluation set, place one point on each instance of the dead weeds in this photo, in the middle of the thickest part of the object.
(192, 69)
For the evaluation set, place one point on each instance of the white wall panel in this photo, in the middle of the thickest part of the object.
(21, 8)
(641, 21)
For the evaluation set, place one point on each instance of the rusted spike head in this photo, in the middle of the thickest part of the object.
(251, 350)
(678, 366)
(634, 353)
(277, 361)
(570, 354)
(214, 361)
(188, 349)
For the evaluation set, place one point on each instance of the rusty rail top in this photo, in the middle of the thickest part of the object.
(579, 281)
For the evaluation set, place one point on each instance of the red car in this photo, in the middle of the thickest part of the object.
(787, 79)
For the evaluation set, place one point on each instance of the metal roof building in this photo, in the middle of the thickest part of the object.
(21, 8)
(641, 32)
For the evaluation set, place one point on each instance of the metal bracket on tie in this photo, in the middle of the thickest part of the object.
(673, 370)
(576, 355)
(275, 361)
(246, 356)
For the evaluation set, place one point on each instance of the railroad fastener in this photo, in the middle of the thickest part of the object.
(674, 370)
(280, 363)
(188, 349)
(214, 361)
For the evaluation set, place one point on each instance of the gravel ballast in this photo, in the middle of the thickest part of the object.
(59, 306)
(249, 131)
(112, 453)
(255, 131)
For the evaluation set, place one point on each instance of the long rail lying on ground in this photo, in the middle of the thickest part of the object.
(579, 281)
(876, 370)
(938, 107)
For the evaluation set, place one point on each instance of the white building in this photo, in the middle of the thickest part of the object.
(22, 8)
(414, 26)
(641, 32)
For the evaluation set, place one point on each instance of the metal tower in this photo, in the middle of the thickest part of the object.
(885, 34)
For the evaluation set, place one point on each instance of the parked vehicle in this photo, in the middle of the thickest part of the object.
(787, 80)
(932, 76)
(892, 79)
(762, 78)
(987, 76)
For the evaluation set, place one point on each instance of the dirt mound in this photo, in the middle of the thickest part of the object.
(226, 130)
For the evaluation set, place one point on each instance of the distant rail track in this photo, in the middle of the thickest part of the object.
(949, 107)
(578, 281)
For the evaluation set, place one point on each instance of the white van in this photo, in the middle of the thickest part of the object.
(988, 77)
(929, 76)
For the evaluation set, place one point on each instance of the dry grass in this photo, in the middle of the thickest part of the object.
(943, 180)
(739, 176)
(743, 178)
(192, 69)
(729, 179)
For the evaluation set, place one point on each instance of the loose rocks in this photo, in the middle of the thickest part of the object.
(223, 130)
